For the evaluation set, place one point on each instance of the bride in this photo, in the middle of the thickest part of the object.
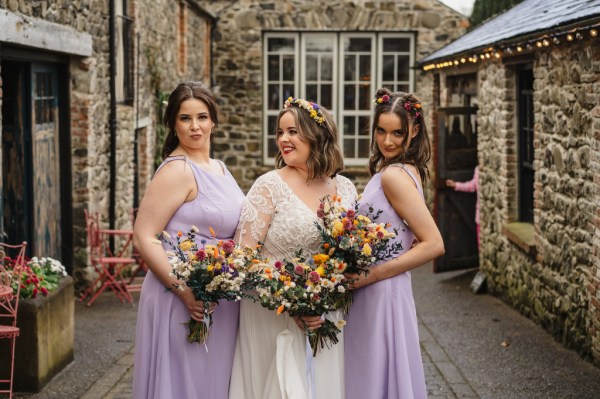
(272, 357)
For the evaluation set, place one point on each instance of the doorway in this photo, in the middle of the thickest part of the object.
(35, 178)
(456, 160)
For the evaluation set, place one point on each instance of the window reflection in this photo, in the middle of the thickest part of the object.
(280, 45)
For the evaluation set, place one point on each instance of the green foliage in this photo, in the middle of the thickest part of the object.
(155, 76)
(486, 9)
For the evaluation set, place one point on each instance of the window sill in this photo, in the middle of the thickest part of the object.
(522, 235)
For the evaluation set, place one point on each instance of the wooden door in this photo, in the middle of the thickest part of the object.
(45, 161)
(16, 219)
(455, 211)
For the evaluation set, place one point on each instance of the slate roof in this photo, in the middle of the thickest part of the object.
(528, 17)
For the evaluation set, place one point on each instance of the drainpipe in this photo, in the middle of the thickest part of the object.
(113, 118)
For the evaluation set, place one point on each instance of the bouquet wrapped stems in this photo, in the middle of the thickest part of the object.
(199, 330)
(324, 336)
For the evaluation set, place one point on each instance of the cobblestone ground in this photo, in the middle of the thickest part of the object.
(444, 380)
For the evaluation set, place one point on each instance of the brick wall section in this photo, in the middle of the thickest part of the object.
(559, 288)
(238, 59)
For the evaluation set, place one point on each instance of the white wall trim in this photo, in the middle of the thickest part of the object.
(37, 33)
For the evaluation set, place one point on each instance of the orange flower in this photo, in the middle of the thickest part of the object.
(179, 234)
(417, 105)
(280, 309)
(326, 245)
(212, 232)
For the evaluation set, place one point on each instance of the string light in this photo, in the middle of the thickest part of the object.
(590, 31)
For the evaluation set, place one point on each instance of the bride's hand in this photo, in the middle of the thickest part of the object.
(309, 322)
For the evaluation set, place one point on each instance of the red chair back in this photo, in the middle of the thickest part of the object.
(10, 279)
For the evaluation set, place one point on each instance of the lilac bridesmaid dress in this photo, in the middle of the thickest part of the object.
(382, 354)
(166, 364)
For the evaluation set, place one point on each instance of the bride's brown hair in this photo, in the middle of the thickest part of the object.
(325, 157)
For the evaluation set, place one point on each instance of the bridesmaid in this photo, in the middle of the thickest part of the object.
(189, 188)
(382, 355)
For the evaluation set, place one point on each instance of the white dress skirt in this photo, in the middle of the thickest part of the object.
(273, 359)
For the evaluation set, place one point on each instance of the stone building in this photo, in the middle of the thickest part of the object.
(336, 53)
(532, 74)
(86, 79)
(80, 93)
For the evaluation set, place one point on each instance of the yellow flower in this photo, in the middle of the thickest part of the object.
(320, 271)
(338, 228)
(320, 258)
(209, 268)
(186, 245)
(366, 250)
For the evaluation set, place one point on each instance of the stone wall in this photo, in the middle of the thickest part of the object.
(156, 28)
(238, 59)
(558, 288)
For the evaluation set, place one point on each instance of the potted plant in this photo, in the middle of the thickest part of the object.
(46, 321)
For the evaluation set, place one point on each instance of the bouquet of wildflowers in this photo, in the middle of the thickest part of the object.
(303, 287)
(213, 271)
(353, 239)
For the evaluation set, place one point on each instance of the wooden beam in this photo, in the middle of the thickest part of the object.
(40, 34)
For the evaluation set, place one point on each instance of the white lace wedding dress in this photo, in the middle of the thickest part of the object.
(272, 357)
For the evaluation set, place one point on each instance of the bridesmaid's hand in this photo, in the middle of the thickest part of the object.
(309, 322)
(355, 281)
(195, 307)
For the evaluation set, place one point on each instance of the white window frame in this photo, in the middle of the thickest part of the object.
(355, 112)
(268, 130)
(410, 53)
(334, 76)
(299, 83)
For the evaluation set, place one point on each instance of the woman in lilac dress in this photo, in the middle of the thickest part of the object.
(189, 188)
(382, 355)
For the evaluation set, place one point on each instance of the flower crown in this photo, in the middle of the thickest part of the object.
(413, 108)
(313, 109)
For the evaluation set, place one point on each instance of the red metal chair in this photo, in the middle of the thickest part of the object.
(9, 302)
(110, 266)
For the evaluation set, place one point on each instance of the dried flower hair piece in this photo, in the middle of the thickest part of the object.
(313, 109)
(382, 100)
(413, 109)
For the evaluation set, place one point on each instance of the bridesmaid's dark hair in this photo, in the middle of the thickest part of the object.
(409, 109)
(186, 91)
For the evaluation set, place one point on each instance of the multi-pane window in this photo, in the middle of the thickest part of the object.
(525, 167)
(341, 72)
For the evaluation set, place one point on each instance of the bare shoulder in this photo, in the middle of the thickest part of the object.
(174, 174)
(395, 177)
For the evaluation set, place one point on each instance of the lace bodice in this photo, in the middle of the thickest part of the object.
(274, 215)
